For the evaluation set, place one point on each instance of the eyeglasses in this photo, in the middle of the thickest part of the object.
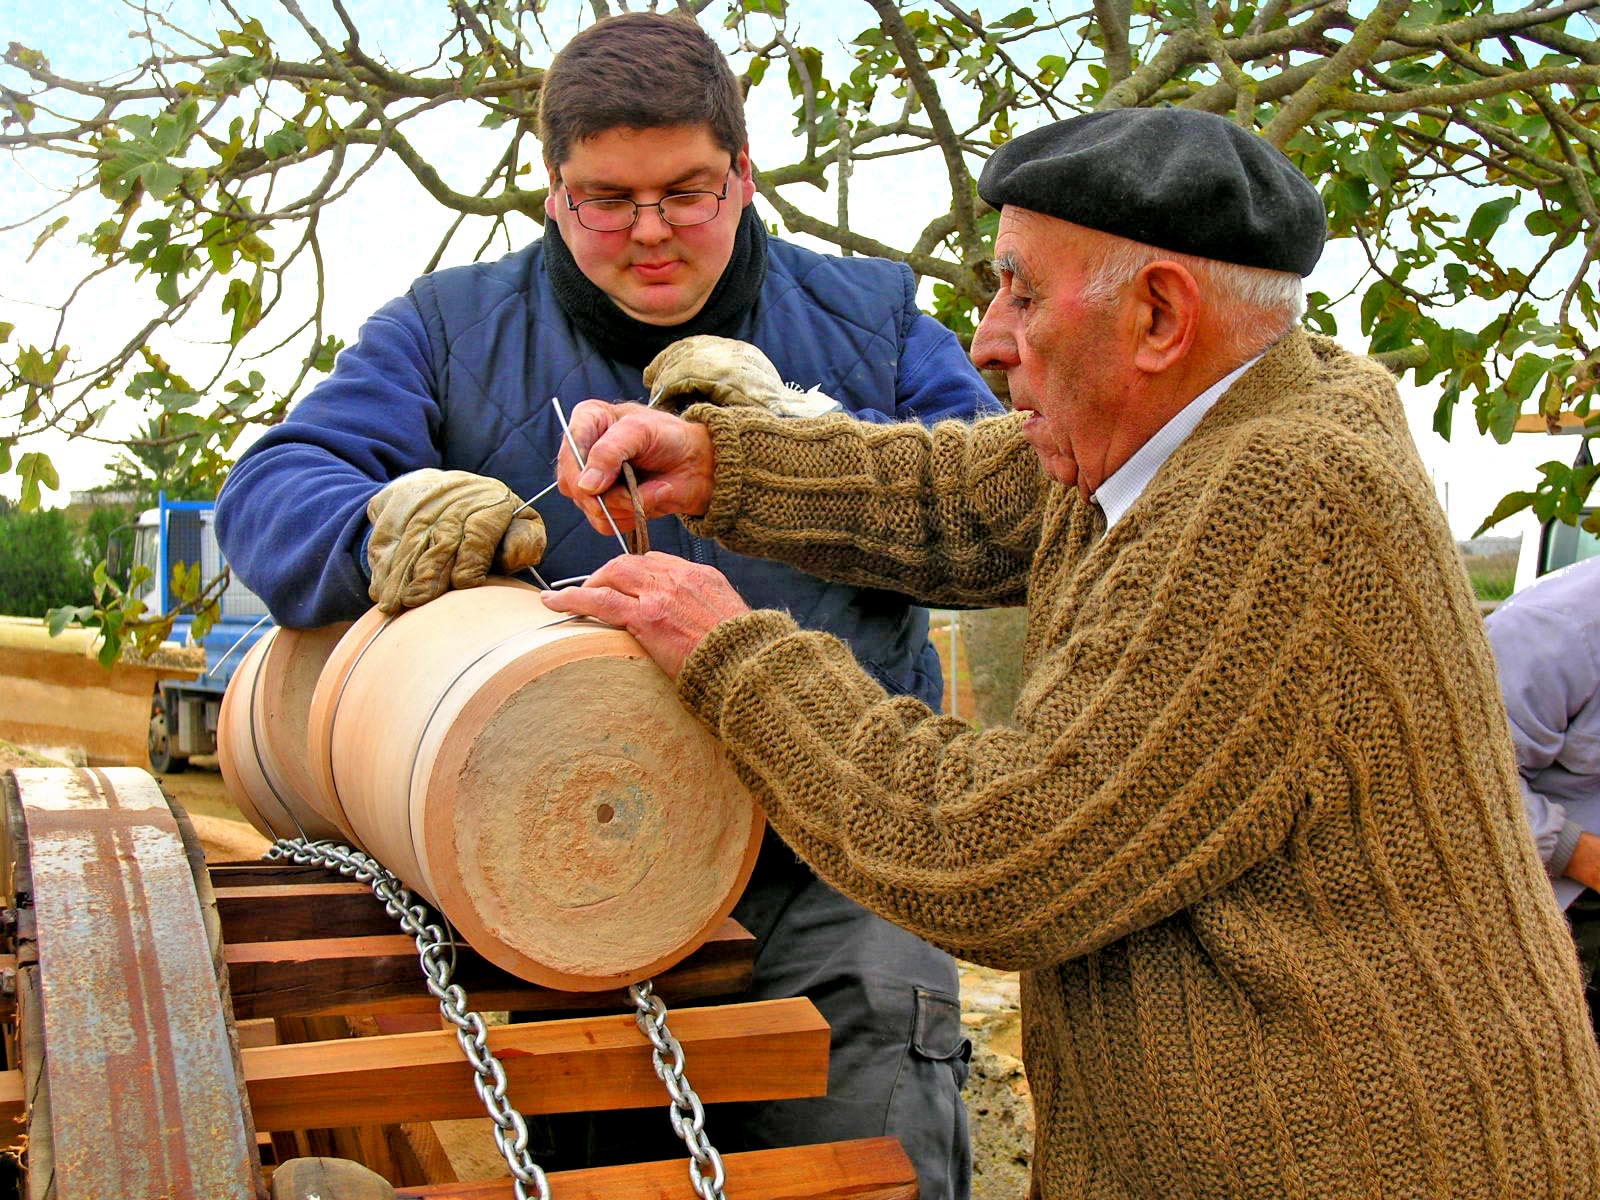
(608, 215)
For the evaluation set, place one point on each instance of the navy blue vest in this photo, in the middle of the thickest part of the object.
(501, 346)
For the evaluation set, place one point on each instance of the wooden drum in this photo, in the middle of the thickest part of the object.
(261, 734)
(537, 779)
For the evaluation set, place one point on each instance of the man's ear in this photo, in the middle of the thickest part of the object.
(550, 196)
(1167, 301)
(747, 182)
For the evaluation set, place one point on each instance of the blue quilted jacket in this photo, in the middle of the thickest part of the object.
(459, 373)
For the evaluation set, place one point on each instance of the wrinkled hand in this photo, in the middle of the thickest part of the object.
(671, 457)
(436, 530)
(726, 372)
(668, 603)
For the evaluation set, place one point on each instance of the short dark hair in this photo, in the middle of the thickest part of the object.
(640, 71)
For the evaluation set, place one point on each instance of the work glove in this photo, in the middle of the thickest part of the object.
(437, 530)
(726, 372)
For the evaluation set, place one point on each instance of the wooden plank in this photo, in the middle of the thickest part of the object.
(264, 874)
(407, 1153)
(54, 694)
(143, 1090)
(379, 973)
(870, 1169)
(288, 912)
(1567, 422)
(769, 1050)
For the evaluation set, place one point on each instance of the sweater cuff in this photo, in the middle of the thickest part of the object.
(727, 449)
(1566, 844)
(715, 664)
(361, 555)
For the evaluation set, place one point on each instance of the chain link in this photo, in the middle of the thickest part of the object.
(687, 1114)
(437, 954)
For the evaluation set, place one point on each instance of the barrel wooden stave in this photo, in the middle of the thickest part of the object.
(262, 735)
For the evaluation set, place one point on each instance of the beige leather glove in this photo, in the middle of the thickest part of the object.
(437, 530)
(726, 372)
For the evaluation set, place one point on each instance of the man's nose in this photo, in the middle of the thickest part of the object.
(994, 346)
(650, 227)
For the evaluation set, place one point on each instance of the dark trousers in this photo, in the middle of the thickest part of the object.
(1583, 915)
(897, 1057)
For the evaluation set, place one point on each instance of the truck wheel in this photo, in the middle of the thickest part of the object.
(163, 761)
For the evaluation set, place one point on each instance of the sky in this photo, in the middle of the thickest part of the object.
(382, 235)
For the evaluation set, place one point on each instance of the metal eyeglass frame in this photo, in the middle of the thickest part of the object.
(659, 206)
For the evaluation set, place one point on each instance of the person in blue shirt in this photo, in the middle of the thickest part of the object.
(1546, 641)
(402, 475)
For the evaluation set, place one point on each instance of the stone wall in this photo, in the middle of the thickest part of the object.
(999, 1105)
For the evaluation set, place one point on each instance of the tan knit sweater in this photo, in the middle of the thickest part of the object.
(1256, 844)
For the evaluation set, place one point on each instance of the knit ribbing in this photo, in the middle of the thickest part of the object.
(1256, 840)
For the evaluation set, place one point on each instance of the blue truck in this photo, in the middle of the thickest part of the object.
(183, 713)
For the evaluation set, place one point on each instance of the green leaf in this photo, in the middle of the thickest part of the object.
(1020, 19)
(37, 471)
(1499, 413)
(49, 232)
(57, 619)
(323, 355)
(6, 330)
(243, 300)
(282, 142)
(1529, 369)
(1490, 216)
(1513, 502)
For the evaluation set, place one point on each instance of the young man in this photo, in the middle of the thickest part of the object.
(398, 477)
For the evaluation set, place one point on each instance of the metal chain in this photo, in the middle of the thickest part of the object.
(437, 953)
(687, 1114)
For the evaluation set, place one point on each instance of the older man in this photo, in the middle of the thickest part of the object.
(1255, 842)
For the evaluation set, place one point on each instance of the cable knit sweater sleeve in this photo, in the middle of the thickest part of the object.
(948, 516)
(1174, 699)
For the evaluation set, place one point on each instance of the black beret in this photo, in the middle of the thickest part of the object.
(1175, 178)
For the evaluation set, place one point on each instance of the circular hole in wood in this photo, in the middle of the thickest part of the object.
(604, 814)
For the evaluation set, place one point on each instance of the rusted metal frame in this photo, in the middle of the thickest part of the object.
(195, 852)
(144, 1093)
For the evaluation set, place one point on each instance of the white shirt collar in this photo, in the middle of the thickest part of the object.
(1127, 483)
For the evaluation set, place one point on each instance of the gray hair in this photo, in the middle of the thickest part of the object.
(1257, 306)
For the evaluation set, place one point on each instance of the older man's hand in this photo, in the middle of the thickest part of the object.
(668, 603)
(671, 458)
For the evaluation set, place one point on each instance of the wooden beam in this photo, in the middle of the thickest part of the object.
(1567, 422)
(288, 912)
(379, 973)
(262, 874)
(870, 1169)
(769, 1050)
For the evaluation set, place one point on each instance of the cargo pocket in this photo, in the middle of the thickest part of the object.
(926, 1111)
(937, 1034)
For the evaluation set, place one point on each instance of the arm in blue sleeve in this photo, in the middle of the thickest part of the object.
(292, 519)
(936, 380)
(1543, 681)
